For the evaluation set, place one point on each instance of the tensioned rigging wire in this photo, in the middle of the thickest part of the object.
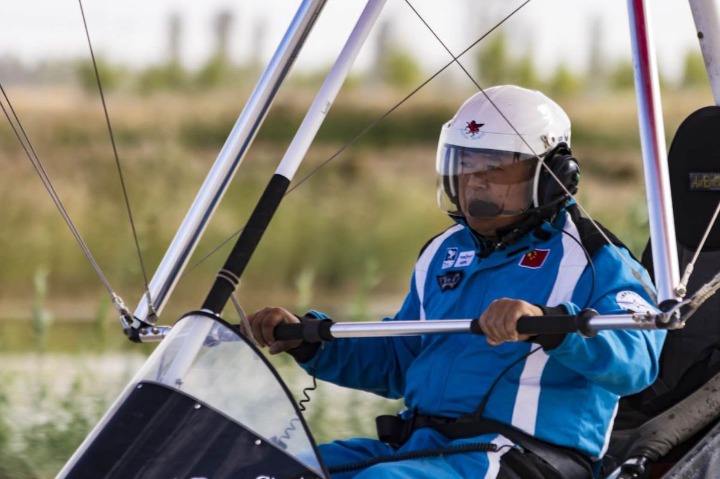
(708, 289)
(369, 127)
(691, 265)
(117, 161)
(32, 155)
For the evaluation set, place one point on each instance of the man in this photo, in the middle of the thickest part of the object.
(498, 405)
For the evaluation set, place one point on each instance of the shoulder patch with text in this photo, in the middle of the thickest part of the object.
(633, 302)
(450, 280)
(534, 259)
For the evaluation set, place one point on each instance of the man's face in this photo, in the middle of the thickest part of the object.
(495, 188)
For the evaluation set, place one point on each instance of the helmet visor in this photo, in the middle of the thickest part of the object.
(482, 183)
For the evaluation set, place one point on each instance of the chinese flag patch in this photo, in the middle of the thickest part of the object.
(534, 259)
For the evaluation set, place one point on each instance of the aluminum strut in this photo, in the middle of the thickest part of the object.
(229, 276)
(226, 164)
(654, 153)
(705, 15)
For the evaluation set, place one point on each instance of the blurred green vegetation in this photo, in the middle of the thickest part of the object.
(373, 202)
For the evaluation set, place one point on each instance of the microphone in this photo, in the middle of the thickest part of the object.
(487, 209)
(483, 209)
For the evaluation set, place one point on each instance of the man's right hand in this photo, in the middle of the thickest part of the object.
(263, 325)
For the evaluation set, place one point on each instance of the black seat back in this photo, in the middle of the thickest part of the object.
(648, 421)
(691, 355)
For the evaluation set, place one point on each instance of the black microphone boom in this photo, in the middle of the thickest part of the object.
(483, 209)
(487, 209)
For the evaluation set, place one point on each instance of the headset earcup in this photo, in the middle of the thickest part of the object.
(565, 167)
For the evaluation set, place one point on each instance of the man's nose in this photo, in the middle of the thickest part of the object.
(478, 180)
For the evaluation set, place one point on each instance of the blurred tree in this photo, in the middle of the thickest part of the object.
(218, 69)
(175, 28)
(111, 77)
(525, 73)
(622, 76)
(564, 81)
(168, 77)
(171, 75)
(596, 73)
(382, 46)
(223, 21)
(401, 70)
(493, 62)
(394, 65)
(215, 73)
(259, 31)
(694, 73)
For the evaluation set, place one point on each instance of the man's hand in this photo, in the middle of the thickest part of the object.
(263, 325)
(499, 321)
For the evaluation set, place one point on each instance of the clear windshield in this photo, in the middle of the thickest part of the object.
(245, 416)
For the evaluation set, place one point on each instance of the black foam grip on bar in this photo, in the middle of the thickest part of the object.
(555, 324)
(310, 331)
(546, 324)
(475, 327)
(583, 319)
(561, 324)
(289, 331)
(247, 242)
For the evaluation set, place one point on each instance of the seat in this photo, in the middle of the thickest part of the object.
(671, 430)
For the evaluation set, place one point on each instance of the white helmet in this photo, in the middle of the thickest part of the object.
(503, 128)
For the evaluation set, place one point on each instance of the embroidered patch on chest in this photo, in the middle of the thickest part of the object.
(465, 258)
(534, 259)
(456, 258)
(450, 280)
(450, 257)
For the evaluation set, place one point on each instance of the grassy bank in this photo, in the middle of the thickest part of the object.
(365, 214)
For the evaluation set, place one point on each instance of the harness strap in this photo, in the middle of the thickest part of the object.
(569, 464)
(423, 453)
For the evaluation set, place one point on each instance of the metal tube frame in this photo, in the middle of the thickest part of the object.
(642, 321)
(229, 276)
(652, 139)
(326, 96)
(225, 166)
(705, 15)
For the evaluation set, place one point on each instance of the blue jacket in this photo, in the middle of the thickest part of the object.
(566, 394)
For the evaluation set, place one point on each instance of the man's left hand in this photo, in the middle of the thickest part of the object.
(499, 321)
